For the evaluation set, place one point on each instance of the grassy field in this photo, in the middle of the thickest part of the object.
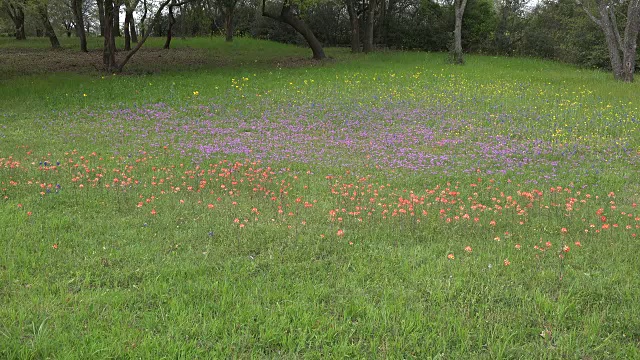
(265, 206)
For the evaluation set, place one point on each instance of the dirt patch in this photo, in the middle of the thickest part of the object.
(17, 62)
(36, 61)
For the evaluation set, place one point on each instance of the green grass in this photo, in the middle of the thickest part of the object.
(137, 223)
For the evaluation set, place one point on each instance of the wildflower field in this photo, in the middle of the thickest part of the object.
(381, 206)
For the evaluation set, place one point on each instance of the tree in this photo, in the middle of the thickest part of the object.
(386, 14)
(622, 50)
(367, 45)
(289, 14)
(15, 10)
(511, 23)
(227, 8)
(172, 21)
(354, 23)
(116, 18)
(459, 6)
(42, 12)
(130, 34)
(100, 4)
(562, 31)
(109, 48)
(78, 14)
(108, 57)
(145, 9)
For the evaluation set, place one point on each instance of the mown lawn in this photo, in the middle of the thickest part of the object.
(266, 206)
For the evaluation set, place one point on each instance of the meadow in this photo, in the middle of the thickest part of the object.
(388, 205)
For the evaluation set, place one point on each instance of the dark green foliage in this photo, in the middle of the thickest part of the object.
(426, 29)
(478, 26)
(329, 23)
(562, 31)
(511, 20)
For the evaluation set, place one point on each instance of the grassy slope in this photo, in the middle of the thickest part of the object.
(190, 282)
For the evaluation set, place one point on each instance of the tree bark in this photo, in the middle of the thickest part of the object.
(16, 13)
(355, 26)
(132, 29)
(622, 52)
(367, 46)
(612, 42)
(100, 4)
(630, 41)
(381, 15)
(128, 18)
(459, 7)
(20, 33)
(227, 8)
(130, 34)
(143, 18)
(228, 23)
(109, 50)
(79, 17)
(116, 18)
(172, 21)
(288, 16)
(19, 23)
(391, 8)
(43, 13)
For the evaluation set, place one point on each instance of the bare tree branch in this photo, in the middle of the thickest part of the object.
(614, 24)
(586, 10)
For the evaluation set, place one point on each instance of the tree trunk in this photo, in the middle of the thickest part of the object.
(79, 17)
(355, 26)
(109, 50)
(288, 16)
(16, 13)
(20, 34)
(100, 4)
(630, 41)
(132, 29)
(612, 41)
(228, 23)
(367, 46)
(227, 8)
(43, 13)
(386, 21)
(381, 15)
(143, 18)
(457, 31)
(127, 35)
(622, 52)
(172, 21)
(116, 18)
